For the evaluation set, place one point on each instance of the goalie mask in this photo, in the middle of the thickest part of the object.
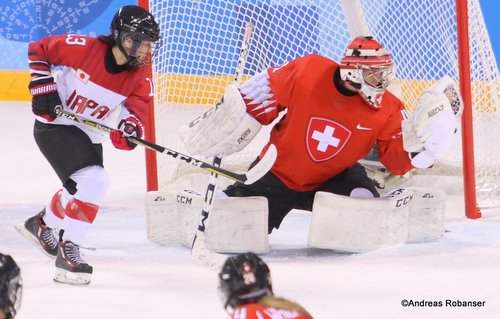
(243, 279)
(136, 33)
(10, 286)
(367, 66)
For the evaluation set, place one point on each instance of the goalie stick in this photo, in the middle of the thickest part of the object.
(199, 251)
(246, 178)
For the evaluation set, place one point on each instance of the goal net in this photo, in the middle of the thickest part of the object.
(199, 55)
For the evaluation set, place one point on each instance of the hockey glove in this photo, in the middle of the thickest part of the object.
(130, 126)
(45, 97)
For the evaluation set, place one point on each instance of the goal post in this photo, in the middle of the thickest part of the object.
(428, 39)
(469, 171)
(150, 130)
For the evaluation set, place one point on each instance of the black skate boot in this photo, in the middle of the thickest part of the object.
(71, 268)
(44, 237)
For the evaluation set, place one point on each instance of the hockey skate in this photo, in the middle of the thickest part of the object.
(43, 236)
(71, 268)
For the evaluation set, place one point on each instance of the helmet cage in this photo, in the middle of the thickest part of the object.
(141, 50)
(379, 76)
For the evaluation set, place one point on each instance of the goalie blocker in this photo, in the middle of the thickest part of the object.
(235, 225)
(356, 225)
(227, 128)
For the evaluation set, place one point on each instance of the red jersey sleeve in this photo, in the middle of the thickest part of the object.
(139, 100)
(53, 50)
(390, 141)
(268, 93)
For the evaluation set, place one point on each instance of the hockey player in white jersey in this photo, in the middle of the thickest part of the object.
(98, 77)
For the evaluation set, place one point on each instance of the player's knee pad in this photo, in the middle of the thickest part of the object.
(92, 184)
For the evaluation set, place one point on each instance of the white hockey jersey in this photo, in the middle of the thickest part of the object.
(85, 86)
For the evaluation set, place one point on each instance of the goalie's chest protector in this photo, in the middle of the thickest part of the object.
(324, 132)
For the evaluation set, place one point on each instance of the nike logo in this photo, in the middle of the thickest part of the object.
(359, 127)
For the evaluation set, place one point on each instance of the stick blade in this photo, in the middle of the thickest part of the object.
(204, 256)
(263, 166)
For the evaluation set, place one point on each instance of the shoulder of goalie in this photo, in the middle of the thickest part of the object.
(235, 224)
(226, 128)
(357, 225)
(428, 133)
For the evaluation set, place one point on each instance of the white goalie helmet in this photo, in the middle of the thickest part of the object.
(367, 66)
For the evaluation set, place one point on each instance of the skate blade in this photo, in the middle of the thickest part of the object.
(72, 278)
(26, 234)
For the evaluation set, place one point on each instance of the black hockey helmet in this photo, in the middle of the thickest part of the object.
(132, 25)
(243, 279)
(10, 286)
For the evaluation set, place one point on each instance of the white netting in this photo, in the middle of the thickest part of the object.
(201, 41)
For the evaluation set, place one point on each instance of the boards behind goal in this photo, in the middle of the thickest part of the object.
(200, 51)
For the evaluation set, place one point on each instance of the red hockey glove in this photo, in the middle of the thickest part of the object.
(130, 126)
(45, 97)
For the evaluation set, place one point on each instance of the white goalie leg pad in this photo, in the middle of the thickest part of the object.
(203, 135)
(426, 217)
(234, 225)
(162, 218)
(356, 225)
(238, 225)
(189, 206)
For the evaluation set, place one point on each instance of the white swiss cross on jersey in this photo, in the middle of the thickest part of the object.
(325, 138)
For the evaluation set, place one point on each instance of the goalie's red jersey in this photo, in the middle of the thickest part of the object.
(324, 131)
(256, 311)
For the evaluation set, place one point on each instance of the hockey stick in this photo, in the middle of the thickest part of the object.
(246, 178)
(198, 250)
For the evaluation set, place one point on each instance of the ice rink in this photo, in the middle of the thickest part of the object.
(134, 278)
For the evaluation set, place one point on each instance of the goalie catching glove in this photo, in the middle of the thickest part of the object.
(227, 128)
(429, 132)
(130, 126)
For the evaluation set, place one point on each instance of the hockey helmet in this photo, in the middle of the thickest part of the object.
(367, 66)
(10, 286)
(136, 33)
(243, 279)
